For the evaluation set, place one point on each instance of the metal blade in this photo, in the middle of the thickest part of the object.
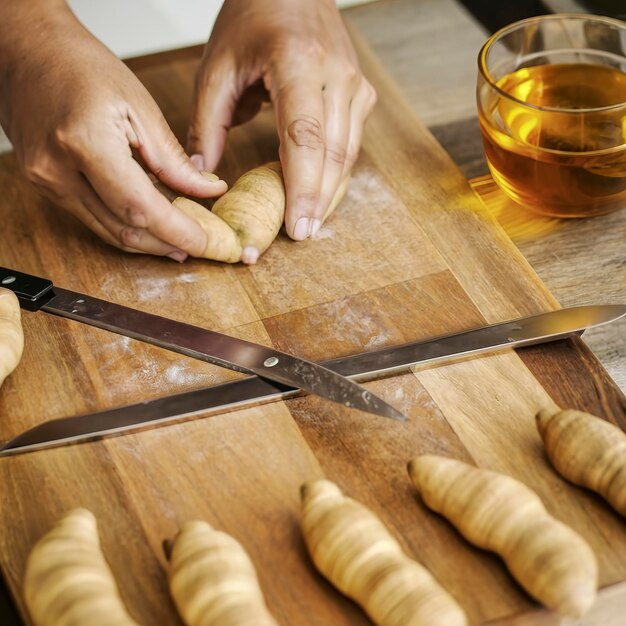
(36, 294)
(228, 396)
(510, 334)
(219, 349)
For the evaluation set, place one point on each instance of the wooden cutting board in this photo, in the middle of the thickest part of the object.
(411, 253)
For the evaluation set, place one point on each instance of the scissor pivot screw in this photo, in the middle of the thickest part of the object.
(270, 361)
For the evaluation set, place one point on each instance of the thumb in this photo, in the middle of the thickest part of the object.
(166, 159)
(214, 105)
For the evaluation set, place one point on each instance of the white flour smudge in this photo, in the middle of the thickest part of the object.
(124, 343)
(187, 278)
(324, 233)
(145, 288)
(180, 374)
(153, 288)
(381, 339)
(367, 184)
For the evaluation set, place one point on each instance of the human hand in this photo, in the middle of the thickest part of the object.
(299, 54)
(76, 116)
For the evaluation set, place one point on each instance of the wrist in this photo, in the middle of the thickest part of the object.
(32, 35)
(27, 25)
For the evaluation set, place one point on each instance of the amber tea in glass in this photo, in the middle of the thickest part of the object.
(552, 110)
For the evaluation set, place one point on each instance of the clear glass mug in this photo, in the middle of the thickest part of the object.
(551, 97)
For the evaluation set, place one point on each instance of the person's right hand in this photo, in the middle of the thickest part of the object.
(74, 114)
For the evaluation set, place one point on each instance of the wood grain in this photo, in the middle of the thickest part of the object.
(412, 252)
(583, 261)
(608, 612)
(430, 48)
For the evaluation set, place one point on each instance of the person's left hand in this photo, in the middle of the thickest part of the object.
(299, 54)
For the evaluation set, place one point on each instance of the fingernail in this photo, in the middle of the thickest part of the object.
(301, 230)
(210, 175)
(197, 160)
(249, 255)
(178, 255)
(315, 226)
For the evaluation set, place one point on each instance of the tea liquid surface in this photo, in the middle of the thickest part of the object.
(566, 159)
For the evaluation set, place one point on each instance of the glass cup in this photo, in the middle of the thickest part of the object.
(551, 98)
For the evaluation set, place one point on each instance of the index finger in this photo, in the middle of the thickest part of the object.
(129, 194)
(300, 124)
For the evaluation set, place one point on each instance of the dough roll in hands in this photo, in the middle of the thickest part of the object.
(244, 222)
(246, 219)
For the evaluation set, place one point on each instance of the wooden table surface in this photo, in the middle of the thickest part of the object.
(429, 47)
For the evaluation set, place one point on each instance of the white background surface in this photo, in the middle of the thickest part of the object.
(135, 27)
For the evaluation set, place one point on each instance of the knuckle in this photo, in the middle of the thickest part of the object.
(38, 170)
(306, 132)
(72, 139)
(315, 52)
(135, 216)
(129, 237)
(351, 158)
(34, 172)
(352, 76)
(304, 53)
(307, 198)
(336, 155)
(371, 97)
(158, 171)
(65, 137)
